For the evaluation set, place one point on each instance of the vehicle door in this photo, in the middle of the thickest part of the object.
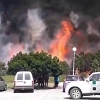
(94, 83)
(19, 79)
(27, 79)
(70, 79)
(1, 83)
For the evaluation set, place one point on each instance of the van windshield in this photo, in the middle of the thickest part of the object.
(74, 78)
(20, 77)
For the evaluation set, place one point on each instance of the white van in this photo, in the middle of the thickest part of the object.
(23, 81)
(91, 86)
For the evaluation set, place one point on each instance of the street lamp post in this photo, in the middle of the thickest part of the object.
(74, 50)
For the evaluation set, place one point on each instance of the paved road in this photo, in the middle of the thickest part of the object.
(50, 94)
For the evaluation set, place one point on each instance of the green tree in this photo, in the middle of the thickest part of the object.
(2, 66)
(3, 69)
(80, 62)
(97, 61)
(87, 62)
(38, 63)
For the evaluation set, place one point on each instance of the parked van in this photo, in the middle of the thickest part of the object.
(23, 81)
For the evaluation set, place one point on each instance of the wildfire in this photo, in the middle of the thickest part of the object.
(59, 47)
(14, 49)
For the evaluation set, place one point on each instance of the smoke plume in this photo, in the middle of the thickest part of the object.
(27, 25)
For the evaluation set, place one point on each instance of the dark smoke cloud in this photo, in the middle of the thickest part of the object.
(93, 38)
(85, 11)
(30, 21)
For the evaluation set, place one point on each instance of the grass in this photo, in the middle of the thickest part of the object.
(10, 78)
(51, 79)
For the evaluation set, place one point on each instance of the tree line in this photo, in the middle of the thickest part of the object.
(88, 61)
(42, 63)
(39, 63)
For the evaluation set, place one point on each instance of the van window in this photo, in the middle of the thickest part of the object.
(81, 78)
(72, 78)
(20, 77)
(27, 77)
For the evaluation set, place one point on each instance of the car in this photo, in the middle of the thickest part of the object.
(91, 86)
(3, 85)
(23, 81)
(71, 78)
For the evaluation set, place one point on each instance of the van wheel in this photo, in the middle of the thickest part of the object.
(75, 93)
(32, 91)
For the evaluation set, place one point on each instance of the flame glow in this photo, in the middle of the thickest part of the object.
(15, 49)
(59, 47)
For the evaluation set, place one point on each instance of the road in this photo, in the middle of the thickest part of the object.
(49, 94)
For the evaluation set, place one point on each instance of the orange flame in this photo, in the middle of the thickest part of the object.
(59, 47)
(14, 49)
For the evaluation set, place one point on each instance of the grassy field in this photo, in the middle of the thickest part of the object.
(10, 78)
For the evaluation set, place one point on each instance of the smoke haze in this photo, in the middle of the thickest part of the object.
(27, 25)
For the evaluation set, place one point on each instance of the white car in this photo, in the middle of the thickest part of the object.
(23, 81)
(91, 86)
(71, 78)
